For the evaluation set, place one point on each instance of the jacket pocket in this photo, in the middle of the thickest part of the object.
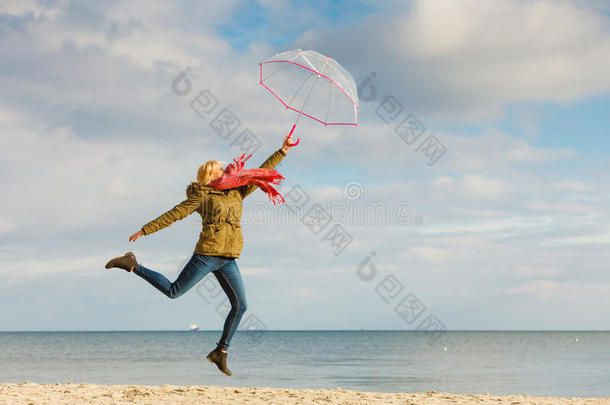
(211, 238)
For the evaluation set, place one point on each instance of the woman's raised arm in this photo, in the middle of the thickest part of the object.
(270, 163)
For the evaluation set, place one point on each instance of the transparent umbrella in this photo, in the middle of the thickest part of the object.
(313, 85)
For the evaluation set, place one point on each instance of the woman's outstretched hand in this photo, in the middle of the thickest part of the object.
(136, 235)
(287, 143)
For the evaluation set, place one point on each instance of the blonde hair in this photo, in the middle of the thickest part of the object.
(204, 174)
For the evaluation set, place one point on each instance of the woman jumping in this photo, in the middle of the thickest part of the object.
(220, 241)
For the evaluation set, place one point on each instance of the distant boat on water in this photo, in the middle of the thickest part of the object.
(194, 328)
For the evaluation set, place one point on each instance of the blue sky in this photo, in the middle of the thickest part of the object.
(252, 21)
(509, 229)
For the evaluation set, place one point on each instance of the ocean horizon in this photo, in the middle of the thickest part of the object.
(568, 363)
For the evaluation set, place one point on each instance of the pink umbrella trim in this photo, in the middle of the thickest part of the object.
(299, 111)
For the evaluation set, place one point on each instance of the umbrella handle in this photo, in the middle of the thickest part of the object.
(298, 139)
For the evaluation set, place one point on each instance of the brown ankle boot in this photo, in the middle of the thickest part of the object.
(220, 358)
(123, 262)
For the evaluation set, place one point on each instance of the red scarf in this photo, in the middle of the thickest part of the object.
(235, 175)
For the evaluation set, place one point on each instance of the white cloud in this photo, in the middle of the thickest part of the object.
(564, 292)
(431, 255)
(254, 271)
(23, 7)
(118, 61)
(483, 187)
(304, 292)
(571, 185)
(582, 240)
(73, 183)
(565, 207)
(467, 59)
(17, 271)
(472, 187)
(494, 149)
(529, 270)
(541, 289)
(490, 214)
(6, 225)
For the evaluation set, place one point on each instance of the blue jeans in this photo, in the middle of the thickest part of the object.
(227, 273)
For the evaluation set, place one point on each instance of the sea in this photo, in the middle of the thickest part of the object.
(541, 363)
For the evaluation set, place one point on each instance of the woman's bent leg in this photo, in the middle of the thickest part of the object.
(196, 268)
(231, 282)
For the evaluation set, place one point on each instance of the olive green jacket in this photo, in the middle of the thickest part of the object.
(220, 212)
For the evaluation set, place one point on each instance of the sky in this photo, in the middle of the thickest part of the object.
(508, 228)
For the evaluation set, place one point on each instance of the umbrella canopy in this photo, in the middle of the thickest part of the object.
(313, 85)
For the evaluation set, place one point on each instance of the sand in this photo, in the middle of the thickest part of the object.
(32, 393)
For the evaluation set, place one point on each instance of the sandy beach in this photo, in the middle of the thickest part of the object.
(32, 393)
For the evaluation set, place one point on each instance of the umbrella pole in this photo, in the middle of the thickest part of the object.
(296, 122)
